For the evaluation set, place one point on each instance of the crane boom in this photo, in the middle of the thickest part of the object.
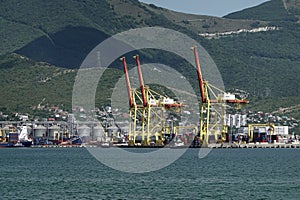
(127, 81)
(238, 101)
(200, 79)
(136, 57)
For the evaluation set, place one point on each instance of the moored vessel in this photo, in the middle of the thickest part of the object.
(23, 137)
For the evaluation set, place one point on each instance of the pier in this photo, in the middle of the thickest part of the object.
(211, 146)
(253, 145)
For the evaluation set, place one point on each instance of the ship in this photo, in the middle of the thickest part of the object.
(178, 143)
(23, 138)
(8, 137)
(15, 139)
(6, 145)
(75, 140)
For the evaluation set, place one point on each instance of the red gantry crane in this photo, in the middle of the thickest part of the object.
(212, 114)
(135, 110)
(147, 111)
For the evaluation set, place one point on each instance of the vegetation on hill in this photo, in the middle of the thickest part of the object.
(25, 84)
(274, 10)
(293, 6)
(66, 48)
(35, 18)
(265, 64)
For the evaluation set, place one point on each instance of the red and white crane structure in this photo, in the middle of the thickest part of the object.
(213, 126)
(147, 110)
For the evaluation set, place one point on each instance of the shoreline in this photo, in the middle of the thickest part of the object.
(211, 146)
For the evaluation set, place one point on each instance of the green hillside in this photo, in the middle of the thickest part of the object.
(23, 22)
(66, 48)
(261, 61)
(25, 84)
(275, 10)
(57, 35)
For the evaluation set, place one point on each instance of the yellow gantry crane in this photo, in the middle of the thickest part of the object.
(252, 137)
(147, 110)
(213, 127)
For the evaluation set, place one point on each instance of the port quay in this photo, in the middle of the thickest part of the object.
(157, 120)
(59, 134)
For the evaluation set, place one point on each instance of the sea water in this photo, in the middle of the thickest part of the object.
(73, 173)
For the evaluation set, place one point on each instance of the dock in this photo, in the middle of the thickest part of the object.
(253, 145)
(212, 146)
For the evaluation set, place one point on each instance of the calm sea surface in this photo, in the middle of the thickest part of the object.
(72, 173)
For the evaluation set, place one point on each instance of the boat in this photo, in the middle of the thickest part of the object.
(23, 140)
(75, 140)
(3, 140)
(178, 143)
(6, 145)
(105, 144)
(10, 139)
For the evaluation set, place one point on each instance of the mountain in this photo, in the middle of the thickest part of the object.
(27, 85)
(275, 10)
(70, 29)
(66, 48)
(256, 49)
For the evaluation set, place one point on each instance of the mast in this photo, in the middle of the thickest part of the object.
(200, 79)
(141, 80)
(127, 81)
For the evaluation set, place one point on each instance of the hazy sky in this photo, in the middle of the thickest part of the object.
(206, 7)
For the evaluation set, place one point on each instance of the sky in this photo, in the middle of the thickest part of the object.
(217, 8)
